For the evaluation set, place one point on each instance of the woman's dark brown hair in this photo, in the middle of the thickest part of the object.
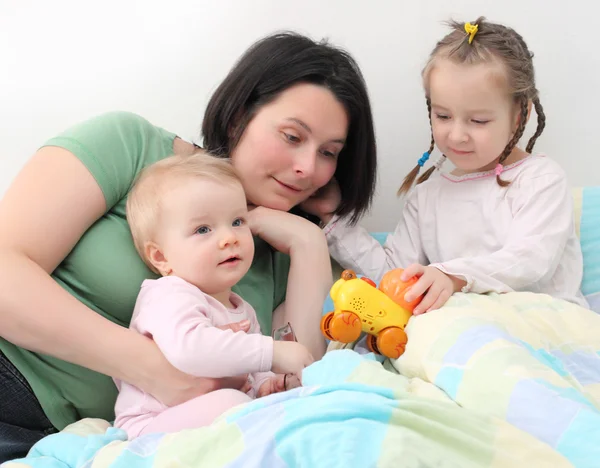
(492, 43)
(276, 63)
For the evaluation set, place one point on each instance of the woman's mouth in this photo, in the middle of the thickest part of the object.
(291, 188)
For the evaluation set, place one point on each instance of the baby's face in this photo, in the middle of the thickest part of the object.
(204, 235)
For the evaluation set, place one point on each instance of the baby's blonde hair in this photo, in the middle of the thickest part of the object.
(144, 205)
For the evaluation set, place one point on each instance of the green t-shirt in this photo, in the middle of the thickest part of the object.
(105, 272)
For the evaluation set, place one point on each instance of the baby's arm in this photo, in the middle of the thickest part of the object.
(353, 247)
(259, 378)
(538, 234)
(178, 321)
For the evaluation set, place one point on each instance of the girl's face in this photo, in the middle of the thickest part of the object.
(473, 116)
(289, 149)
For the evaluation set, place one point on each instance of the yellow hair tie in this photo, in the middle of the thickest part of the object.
(471, 30)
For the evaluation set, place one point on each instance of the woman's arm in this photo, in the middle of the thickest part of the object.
(309, 277)
(44, 213)
(309, 281)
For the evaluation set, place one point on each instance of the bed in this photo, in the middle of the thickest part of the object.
(486, 381)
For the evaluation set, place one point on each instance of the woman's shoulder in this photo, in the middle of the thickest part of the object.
(114, 147)
(112, 118)
(108, 123)
(118, 130)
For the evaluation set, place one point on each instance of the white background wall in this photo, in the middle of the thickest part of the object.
(67, 60)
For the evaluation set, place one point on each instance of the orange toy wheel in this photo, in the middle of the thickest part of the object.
(343, 327)
(325, 321)
(372, 344)
(390, 342)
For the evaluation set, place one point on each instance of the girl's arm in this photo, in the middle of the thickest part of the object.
(542, 224)
(353, 247)
(44, 213)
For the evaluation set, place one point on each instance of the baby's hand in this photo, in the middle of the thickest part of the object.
(438, 285)
(273, 385)
(290, 357)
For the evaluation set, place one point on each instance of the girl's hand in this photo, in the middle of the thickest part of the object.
(438, 285)
(172, 387)
(324, 202)
(282, 230)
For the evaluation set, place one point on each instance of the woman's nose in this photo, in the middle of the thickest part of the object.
(305, 163)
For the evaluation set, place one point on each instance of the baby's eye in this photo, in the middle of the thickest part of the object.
(237, 222)
(203, 230)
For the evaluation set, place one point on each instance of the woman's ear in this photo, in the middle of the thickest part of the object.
(157, 258)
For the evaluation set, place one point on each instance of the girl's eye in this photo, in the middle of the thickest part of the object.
(237, 222)
(203, 230)
(291, 138)
(442, 116)
(480, 122)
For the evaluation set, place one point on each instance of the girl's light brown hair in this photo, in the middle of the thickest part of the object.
(492, 43)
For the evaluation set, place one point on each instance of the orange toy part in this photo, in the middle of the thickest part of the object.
(344, 327)
(348, 275)
(390, 342)
(393, 287)
(369, 280)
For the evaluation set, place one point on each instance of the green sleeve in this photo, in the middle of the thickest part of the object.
(281, 270)
(114, 147)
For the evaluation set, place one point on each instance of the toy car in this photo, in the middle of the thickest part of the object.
(381, 312)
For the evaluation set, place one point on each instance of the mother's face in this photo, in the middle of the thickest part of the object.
(289, 149)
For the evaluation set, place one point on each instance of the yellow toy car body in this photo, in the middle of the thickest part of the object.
(382, 313)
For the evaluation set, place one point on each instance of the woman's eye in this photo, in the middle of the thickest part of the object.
(203, 230)
(329, 154)
(292, 138)
(237, 222)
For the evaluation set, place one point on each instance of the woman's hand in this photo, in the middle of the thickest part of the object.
(324, 201)
(282, 230)
(172, 387)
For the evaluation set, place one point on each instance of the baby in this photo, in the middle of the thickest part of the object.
(187, 216)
